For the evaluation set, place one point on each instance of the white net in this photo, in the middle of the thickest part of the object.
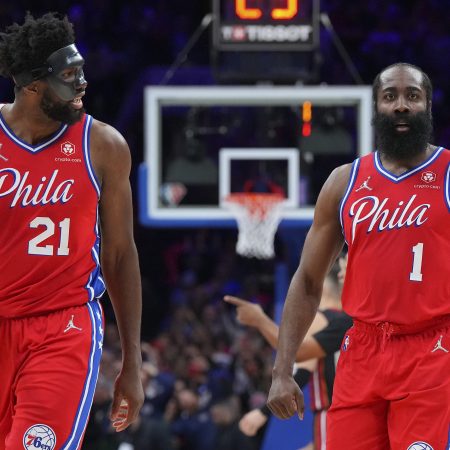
(257, 216)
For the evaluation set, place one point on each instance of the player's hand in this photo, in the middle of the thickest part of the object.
(128, 398)
(285, 398)
(252, 422)
(248, 313)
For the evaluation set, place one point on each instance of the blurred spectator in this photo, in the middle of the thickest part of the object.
(225, 415)
(191, 425)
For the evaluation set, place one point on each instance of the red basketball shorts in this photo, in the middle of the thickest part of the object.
(49, 368)
(392, 389)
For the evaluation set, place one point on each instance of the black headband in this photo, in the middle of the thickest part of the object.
(60, 59)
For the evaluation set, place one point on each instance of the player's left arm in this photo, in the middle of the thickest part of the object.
(309, 349)
(119, 261)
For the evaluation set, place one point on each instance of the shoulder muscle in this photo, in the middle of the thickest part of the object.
(109, 151)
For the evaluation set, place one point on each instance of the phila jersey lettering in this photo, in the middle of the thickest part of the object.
(397, 228)
(49, 238)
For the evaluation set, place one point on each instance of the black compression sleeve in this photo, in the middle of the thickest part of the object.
(301, 376)
(265, 410)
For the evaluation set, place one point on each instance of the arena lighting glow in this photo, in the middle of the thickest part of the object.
(307, 111)
(306, 129)
(306, 117)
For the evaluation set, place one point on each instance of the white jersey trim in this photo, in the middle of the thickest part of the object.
(23, 144)
(351, 183)
(82, 415)
(87, 153)
(316, 384)
(447, 187)
(407, 174)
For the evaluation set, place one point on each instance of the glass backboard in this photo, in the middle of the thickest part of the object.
(205, 142)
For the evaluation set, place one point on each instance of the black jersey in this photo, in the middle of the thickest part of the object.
(330, 338)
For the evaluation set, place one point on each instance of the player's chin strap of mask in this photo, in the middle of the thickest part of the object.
(65, 58)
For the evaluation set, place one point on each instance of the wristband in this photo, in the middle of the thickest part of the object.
(301, 376)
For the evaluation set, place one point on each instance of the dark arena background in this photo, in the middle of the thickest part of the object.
(217, 97)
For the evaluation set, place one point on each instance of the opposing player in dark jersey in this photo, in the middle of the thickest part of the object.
(65, 205)
(317, 354)
(392, 207)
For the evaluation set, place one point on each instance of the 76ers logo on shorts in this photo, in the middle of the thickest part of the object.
(420, 446)
(39, 436)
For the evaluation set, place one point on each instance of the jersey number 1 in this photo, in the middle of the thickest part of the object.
(33, 246)
(416, 274)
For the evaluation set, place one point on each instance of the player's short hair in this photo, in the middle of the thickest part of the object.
(426, 82)
(24, 47)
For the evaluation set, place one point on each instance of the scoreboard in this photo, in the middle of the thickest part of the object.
(271, 25)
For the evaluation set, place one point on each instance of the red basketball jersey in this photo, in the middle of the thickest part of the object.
(397, 228)
(49, 235)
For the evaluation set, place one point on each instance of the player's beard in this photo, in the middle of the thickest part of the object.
(407, 144)
(59, 110)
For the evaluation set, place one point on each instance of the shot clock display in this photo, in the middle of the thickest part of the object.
(265, 24)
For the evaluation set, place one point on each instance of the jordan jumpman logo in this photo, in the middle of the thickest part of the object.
(1, 156)
(71, 326)
(438, 346)
(364, 185)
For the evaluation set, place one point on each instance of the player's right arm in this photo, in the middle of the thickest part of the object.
(120, 266)
(322, 246)
(252, 315)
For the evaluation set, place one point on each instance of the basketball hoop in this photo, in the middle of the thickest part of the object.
(257, 216)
